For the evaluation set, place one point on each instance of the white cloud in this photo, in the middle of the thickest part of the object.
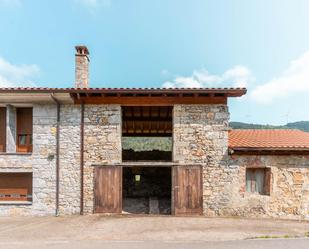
(237, 76)
(295, 79)
(93, 4)
(17, 75)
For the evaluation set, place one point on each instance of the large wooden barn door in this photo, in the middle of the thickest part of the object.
(187, 190)
(108, 189)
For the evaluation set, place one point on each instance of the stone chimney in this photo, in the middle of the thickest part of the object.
(81, 67)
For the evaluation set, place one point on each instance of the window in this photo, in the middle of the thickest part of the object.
(24, 130)
(258, 180)
(2, 129)
(15, 186)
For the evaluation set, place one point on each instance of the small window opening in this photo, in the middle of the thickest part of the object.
(258, 180)
(137, 178)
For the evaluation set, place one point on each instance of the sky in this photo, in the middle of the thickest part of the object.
(262, 45)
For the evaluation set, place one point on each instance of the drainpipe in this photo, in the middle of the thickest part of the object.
(57, 152)
(82, 159)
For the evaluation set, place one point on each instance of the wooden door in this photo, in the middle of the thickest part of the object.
(108, 189)
(187, 190)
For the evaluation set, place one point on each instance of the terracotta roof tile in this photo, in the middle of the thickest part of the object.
(269, 139)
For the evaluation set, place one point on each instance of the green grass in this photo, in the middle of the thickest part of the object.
(286, 236)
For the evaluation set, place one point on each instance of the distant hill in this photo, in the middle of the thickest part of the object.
(301, 125)
(165, 143)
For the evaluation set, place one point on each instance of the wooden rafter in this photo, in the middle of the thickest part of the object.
(146, 121)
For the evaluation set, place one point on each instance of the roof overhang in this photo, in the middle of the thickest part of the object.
(268, 151)
(123, 96)
(34, 98)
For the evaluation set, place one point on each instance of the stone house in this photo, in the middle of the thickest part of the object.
(66, 151)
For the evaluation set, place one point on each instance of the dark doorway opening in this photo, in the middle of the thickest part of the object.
(147, 190)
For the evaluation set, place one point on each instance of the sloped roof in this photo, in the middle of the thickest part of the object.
(231, 92)
(123, 96)
(268, 139)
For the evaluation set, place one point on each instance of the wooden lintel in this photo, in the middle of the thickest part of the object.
(269, 152)
(145, 134)
(153, 101)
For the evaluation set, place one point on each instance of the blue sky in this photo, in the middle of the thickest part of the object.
(260, 44)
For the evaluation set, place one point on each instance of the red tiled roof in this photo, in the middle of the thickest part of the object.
(269, 139)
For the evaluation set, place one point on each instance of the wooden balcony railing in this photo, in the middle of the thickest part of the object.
(24, 143)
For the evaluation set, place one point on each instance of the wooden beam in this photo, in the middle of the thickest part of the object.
(154, 119)
(286, 152)
(144, 134)
(153, 101)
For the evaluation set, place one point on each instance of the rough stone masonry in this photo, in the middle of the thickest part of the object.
(200, 137)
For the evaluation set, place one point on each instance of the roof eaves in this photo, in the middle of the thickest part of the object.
(269, 148)
(231, 92)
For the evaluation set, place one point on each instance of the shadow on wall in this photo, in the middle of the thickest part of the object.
(153, 155)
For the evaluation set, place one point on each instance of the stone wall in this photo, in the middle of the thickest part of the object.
(200, 136)
(289, 192)
(102, 132)
(81, 69)
(102, 146)
(41, 163)
(69, 185)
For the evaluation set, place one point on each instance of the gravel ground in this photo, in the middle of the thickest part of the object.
(147, 228)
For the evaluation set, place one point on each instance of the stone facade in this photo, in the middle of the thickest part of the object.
(102, 146)
(102, 131)
(69, 179)
(200, 136)
(289, 188)
(41, 163)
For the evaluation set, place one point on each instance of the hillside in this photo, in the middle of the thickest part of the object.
(301, 125)
(165, 143)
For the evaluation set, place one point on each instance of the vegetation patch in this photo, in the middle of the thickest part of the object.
(286, 236)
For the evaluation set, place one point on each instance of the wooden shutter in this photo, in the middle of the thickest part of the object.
(15, 186)
(2, 129)
(108, 189)
(250, 182)
(187, 190)
(24, 129)
(267, 181)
